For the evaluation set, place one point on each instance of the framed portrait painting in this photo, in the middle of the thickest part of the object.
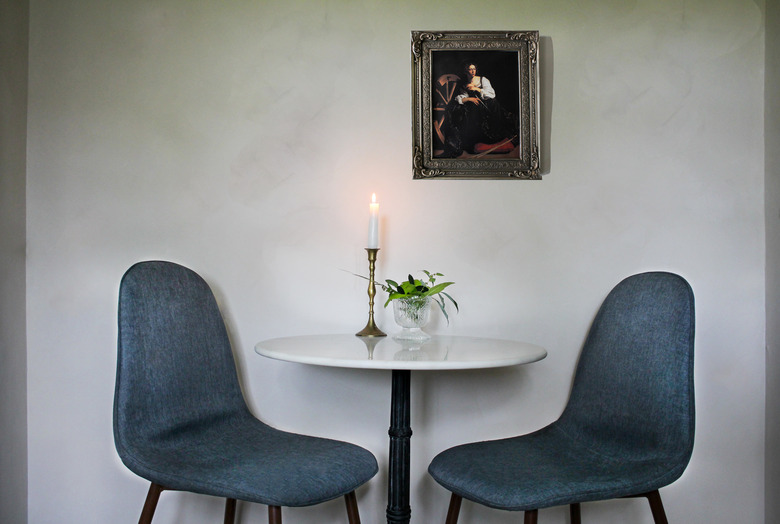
(475, 104)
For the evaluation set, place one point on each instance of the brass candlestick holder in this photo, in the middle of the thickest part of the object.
(371, 329)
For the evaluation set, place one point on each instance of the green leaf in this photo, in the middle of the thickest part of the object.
(408, 287)
(438, 288)
(453, 301)
(440, 302)
(393, 296)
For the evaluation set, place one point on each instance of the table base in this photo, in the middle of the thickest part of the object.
(398, 509)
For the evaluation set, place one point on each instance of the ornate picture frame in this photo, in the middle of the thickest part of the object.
(475, 105)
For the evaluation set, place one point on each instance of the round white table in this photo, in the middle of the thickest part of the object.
(402, 357)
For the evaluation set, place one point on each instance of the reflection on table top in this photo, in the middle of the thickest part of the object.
(440, 352)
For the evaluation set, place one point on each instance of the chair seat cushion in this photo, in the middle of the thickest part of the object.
(545, 468)
(240, 457)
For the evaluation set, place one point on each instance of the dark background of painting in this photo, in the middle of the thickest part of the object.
(500, 67)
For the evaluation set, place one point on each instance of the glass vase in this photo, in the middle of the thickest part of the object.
(412, 314)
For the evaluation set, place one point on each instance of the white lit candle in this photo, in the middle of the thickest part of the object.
(373, 223)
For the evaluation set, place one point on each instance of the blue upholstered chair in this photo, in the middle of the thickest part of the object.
(627, 429)
(180, 419)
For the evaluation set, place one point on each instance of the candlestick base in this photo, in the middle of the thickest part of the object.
(371, 329)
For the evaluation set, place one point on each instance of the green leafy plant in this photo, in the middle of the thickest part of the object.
(413, 288)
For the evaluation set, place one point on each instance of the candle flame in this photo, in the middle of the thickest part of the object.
(373, 198)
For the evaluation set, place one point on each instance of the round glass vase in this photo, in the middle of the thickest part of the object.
(412, 314)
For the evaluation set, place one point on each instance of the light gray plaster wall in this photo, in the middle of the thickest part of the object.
(244, 140)
(772, 140)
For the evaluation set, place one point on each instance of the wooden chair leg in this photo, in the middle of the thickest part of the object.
(352, 508)
(454, 509)
(530, 516)
(574, 511)
(657, 507)
(230, 511)
(150, 504)
(274, 515)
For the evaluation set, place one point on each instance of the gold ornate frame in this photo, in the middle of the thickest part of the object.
(426, 45)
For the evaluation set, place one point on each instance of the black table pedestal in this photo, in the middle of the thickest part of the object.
(398, 509)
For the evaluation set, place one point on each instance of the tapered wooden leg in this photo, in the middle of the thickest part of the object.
(530, 516)
(574, 511)
(352, 508)
(151, 503)
(454, 510)
(657, 507)
(274, 515)
(230, 511)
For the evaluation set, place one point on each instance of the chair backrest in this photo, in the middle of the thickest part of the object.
(175, 366)
(632, 396)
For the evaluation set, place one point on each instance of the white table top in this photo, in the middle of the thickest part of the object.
(440, 352)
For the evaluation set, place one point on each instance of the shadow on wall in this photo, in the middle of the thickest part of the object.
(546, 68)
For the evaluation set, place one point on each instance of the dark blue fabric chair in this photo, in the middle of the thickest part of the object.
(180, 419)
(627, 429)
